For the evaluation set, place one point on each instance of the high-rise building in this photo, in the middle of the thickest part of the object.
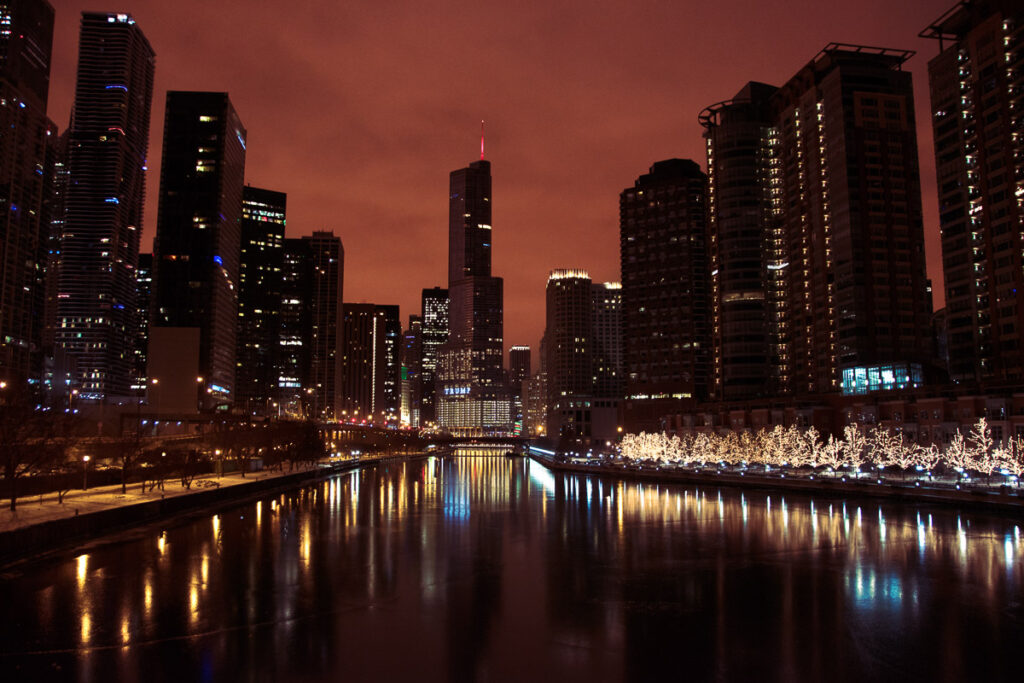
(58, 152)
(856, 302)
(746, 278)
(26, 37)
(107, 148)
(198, 233)
(144, 297)
(392, 396)
(472, 396)
(518, 365)
(825, 167)
(435, 334)
(977, 96)
(518, 374)
(578, 315)
(412, 367)
(606, 341)
(365, 363)
(259, 297)
(293, 352)
(326, 316)
(665, 307)
(309, 361)
(568, 332)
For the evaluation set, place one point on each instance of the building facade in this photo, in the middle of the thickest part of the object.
(435, 335)
(25, 47)
(412, 368)
(107, 157)
(744, 258)
(198, 235)
(259, 297)
(847, 209)
(977, 96)
(665, 298)
(365, 364)
(326, 319)
(470, 387)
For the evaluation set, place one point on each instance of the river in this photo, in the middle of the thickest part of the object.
(498, 569)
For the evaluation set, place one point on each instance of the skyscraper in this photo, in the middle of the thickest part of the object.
(435, 334)
(825, 169)
(326, 317)
(259, 297)
(470, 378)
(198, 232)
(518, 375)
(745, 274)
(977, 81)
(581, 332)
(848, 214)
(107, 149)
(144, 297)
(606, 343)
(293, 353)
(569, 335)
(412, 367)
(364, 363)
(392, 366)
(666, 321)
(25, 41)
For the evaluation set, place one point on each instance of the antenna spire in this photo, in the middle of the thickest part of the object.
(481, 139)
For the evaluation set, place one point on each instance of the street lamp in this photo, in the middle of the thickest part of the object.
(85, 473)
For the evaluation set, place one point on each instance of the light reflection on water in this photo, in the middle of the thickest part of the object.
(498, 568)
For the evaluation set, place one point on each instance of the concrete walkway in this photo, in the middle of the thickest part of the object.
(38, 509)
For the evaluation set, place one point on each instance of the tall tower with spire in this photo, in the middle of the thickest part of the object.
(471, 392)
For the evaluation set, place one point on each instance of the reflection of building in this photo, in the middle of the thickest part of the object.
(976, 84)
(665, 321)
(26, 175)
(259, 297)
(196, 252)
(471, 392)
(107, 151)
(435, 334)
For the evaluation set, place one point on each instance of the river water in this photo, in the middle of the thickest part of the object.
(498, 569)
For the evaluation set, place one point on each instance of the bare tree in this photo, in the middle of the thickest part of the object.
(33, 437)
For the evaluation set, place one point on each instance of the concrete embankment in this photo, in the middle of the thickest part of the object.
(67, 532)
(1005, 500)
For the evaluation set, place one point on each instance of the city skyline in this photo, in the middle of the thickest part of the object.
(561, 159)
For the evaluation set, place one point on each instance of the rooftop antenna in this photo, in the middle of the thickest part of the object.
(481, 139)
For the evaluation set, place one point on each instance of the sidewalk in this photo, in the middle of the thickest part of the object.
(78, 502)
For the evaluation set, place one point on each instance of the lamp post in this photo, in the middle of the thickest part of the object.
(85, 473)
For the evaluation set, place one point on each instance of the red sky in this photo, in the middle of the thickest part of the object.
(358, 110)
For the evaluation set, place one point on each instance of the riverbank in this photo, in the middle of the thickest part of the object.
(40, 525)
(1004, 499)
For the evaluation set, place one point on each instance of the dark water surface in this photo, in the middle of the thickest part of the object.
(497, 569)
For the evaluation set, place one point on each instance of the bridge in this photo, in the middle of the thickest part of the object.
(346, 436)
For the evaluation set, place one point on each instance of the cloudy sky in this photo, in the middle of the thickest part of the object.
(358, 111)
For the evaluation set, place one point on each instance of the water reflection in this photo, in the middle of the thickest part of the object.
(490, 567)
